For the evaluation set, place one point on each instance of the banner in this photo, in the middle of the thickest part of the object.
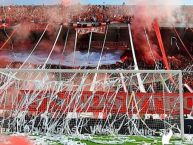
(86, 30)
(121, 103)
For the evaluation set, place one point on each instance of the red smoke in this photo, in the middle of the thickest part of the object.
(144, 15)
(66, 2)
(69, 2)
(141, 23)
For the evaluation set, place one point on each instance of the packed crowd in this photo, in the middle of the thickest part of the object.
(62, 14)
(104, 14)
(17, 14)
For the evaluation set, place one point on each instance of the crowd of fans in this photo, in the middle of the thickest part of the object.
(62, 14)
(104, 14)
(17, 14)
(87, 13)
(181, 62)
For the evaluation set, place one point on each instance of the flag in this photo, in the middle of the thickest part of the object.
(86, 30)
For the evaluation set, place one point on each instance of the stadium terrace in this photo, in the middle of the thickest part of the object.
(96, 70)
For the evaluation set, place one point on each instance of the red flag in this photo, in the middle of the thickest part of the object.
(158, 34)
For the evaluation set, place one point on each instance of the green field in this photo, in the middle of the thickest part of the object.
(111, 140)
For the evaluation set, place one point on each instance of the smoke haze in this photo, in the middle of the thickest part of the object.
(144, 15)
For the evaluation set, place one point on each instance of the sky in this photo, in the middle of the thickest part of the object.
(130, 2)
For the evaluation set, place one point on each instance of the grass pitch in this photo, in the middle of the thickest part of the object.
(111, 140)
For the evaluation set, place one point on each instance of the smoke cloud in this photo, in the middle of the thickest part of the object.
(145, 12)
(69, 2)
